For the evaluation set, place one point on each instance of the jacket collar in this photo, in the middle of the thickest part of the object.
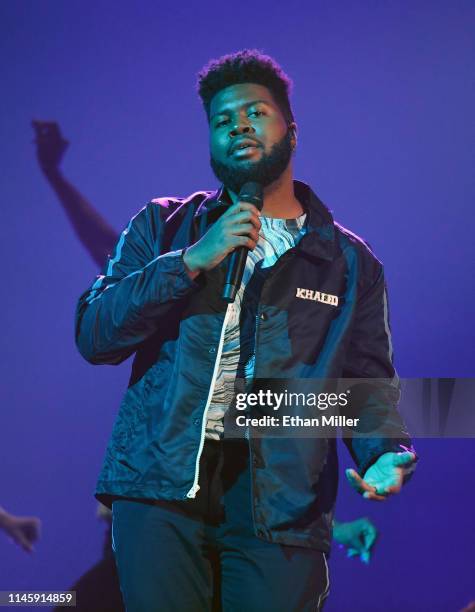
(319, 240)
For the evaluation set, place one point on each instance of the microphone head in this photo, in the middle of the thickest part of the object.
(253, 193)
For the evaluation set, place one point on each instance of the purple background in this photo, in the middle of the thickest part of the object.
(384, 101)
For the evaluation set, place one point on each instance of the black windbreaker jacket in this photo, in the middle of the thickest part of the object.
(145, 303)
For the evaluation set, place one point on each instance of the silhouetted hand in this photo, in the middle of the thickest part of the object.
(384, 477)
(50, 144)
(23, 530)
(358, 537)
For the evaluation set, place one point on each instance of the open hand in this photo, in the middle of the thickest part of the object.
(384, 477)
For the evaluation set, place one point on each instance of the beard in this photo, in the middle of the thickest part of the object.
(265, 171)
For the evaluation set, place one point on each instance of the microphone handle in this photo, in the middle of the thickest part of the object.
(237, 261)
(250, 192)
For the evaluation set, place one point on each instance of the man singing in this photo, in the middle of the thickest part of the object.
(203, 521)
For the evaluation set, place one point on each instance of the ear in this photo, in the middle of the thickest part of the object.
(293, 129)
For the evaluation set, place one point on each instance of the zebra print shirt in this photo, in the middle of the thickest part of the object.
(237, 359)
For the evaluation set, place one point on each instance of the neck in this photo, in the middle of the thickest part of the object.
(279, 198)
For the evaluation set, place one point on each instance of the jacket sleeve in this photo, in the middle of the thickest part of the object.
(132, 296)
(370, 356)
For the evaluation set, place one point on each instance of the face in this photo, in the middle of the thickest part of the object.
(250, 139)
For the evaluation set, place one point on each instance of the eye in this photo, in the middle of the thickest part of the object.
(257, 113)
(221, 123)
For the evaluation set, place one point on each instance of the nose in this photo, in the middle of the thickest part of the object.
(241, 129)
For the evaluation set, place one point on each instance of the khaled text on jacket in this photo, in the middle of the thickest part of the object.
(317, 296)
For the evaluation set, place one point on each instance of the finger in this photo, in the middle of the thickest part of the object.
(376, 489)
(394, 488)
(246, 229)
(370, 536)
(352, 552)
(366, 489)
(357, 482)
(371, 495)
(23, 542)
(244, 218)
(27, 547)
(48, 131)
(365, 556)
(404, 459)
(239, 241)
(234, 209)
(391, 485)
(250, 207)
(243, 207)
(256, 222)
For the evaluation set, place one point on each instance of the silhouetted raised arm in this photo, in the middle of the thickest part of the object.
(96, 235)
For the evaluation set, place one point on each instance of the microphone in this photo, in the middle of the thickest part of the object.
(253, 193)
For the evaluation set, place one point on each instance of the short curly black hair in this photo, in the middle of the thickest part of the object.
(246, 66)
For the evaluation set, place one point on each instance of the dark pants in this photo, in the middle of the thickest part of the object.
(202, 554)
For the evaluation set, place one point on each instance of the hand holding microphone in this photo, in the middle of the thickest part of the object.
(236, 231)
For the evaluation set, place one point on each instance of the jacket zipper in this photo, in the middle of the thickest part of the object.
(247, 434)
(196, 487)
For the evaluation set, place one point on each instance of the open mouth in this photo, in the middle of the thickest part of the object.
(244, 144)
(245, 149)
